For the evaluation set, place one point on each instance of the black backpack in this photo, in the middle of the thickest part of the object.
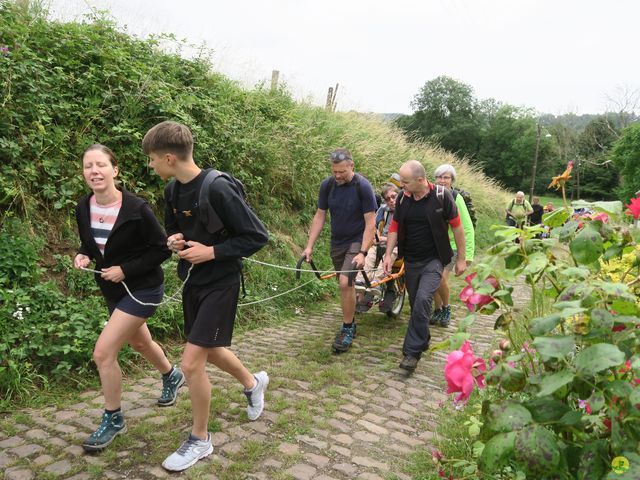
(466, 196)
(208, 216)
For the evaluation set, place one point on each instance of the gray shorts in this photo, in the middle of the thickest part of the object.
(342, 256)
(452, 264)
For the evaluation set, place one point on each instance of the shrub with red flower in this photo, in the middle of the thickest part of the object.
(473, 299)
(463, 370)
(633, 208)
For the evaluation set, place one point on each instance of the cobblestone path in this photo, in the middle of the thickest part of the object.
(354, 415)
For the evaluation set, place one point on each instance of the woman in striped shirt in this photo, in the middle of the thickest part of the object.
(120, 233)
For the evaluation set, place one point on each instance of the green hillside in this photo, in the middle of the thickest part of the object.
(65, 86)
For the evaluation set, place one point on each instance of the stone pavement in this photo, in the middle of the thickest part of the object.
(354, 415)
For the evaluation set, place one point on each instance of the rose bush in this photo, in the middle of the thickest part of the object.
(568, 399)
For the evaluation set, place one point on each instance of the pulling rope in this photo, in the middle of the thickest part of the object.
(173, 298)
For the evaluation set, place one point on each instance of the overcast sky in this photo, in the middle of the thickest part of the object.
(556, 56)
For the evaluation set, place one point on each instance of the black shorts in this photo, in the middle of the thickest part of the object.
(209, 314)
(130, 306)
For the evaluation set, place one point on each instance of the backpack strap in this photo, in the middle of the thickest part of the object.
(332, 185)
(208, 215)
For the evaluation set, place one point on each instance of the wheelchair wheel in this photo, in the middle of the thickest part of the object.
(398, 302)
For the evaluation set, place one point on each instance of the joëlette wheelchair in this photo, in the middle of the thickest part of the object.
(390, 300)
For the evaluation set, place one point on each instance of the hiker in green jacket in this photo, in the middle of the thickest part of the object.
(518, 211)
(445, 176)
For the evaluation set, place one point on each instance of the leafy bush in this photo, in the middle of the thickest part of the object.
(570, 398)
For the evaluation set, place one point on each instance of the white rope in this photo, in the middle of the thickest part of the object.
(166, 299)
(282, 267)
(275, 296)
(173, 298)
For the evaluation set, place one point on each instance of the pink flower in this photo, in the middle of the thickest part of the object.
(634, 207)
(475, 301)
(436, 455)
(459, 372)
(585, 404)
(603, 217)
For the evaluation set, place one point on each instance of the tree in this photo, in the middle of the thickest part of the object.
(445, 113)
(595, 176)
(625, 155)
(508, 147)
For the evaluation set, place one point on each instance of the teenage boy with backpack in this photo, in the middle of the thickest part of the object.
(210, 296)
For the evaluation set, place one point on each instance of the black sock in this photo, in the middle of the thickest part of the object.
(111, 412)
(348, 325)
(168, 374)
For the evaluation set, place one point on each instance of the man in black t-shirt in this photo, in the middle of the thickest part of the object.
(420, 228)
(210, 296)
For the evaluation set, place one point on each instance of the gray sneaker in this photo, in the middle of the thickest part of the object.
(192, 450)
(255, 397)
(170, 387)
(112, 425)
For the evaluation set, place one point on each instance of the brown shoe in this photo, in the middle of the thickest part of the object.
(409, 363)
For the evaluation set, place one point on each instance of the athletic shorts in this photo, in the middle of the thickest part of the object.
(128, 305)
(342, 256)
(209, 314)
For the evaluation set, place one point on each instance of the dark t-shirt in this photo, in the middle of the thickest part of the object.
(536, 217)
(420, 244)
(346, 209)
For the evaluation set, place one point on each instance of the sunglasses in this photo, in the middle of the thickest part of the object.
(341, 156)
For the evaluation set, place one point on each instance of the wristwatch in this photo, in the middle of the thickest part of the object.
(364, 252)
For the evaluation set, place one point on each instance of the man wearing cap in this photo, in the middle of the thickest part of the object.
(420, 224)
(350, 199)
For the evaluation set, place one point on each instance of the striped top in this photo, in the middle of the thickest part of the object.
(103, 218)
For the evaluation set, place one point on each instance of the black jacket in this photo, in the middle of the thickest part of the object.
(137, 244)
(437, 213)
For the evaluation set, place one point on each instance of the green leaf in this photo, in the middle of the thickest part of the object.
(554, 347)
(593, 460)
(586, 248)
(612, 208)
(513, 261)
(601, 319)
(551, 383)
(541, 325)
(496, 452)
(456, 340)
(557, 218)
(575, 272)
(547, 409)
(619, 388)
(624, 307)
(535, 263)
(506, 417)
(597, 358)
(536, 450)
(596, 401)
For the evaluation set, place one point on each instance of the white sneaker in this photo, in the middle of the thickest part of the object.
(255, 397)
(192, 450)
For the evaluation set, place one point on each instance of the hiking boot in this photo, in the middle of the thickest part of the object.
(445, 316)
(170, 386)
(409, 363)
(255, 396)
(387, 302)
(192, 450)
(344, 338)
(435, 316)
(112, 425)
